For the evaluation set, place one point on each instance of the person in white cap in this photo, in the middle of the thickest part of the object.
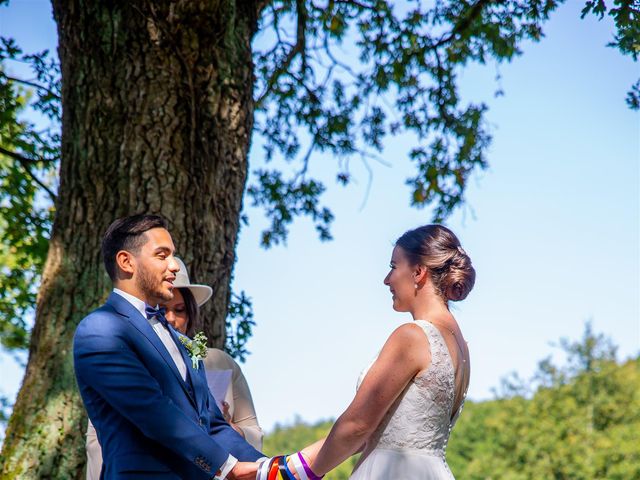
(237, 407)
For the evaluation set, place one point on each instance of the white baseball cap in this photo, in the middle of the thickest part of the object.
(201, 293)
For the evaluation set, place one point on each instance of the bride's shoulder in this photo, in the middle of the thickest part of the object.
(412, 328)
(408, 335)
(407, 346)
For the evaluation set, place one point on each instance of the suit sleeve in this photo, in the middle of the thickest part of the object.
(105, 360)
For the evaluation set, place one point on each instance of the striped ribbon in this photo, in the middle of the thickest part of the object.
(276, 468)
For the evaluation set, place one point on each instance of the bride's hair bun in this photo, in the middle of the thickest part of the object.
(438, 248)
(458, 281)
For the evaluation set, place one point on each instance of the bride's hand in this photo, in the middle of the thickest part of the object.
(292, 467)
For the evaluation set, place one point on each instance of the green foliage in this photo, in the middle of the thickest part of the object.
(626, 16)
(311, 96)
(579, 420)
(239, 324)
(28, 164)
(284, 200)
(290, 439)
(5, 413)
(411, 56)
(633, 96)
(4, 409)
(405, 81)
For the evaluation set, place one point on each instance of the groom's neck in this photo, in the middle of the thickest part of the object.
(131, 289)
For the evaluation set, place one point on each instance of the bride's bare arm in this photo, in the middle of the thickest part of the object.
(311, 452)
(402, 357)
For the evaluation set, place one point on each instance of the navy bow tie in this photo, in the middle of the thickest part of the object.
(158, 313)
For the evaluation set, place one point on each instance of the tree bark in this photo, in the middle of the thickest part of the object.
(157, 118)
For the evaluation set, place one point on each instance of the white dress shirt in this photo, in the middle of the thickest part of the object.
(172, 348)
(163, 333)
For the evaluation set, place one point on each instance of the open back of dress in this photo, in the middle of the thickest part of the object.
(411, 440)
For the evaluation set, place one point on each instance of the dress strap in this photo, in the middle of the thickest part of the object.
(439, 350)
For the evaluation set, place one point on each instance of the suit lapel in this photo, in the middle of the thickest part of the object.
(123, 307)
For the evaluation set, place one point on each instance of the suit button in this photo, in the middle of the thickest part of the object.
(200, 422)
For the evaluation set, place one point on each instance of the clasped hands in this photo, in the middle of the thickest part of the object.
(281, 467)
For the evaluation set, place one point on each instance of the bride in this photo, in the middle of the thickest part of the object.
(409, 398)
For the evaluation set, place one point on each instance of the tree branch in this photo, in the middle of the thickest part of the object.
(305, 162)
(356, 4)
(26, 164)
(464, 23)
(446, 117)
(327, 50)
(298, 48)
(34, 85)
(22, 158)
(260, 5)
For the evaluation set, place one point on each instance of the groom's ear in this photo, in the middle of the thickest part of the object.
(125, 262)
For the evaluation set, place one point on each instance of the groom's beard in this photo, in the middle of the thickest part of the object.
(152, 287)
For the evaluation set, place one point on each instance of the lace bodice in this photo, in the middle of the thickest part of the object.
(421, 417)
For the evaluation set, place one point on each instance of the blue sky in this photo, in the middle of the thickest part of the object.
(553, 228)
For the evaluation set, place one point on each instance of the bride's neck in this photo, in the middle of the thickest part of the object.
(428, 306)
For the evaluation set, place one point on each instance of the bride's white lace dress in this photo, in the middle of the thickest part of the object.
(411, 440)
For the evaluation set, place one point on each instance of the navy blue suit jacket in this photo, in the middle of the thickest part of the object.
(150, 422)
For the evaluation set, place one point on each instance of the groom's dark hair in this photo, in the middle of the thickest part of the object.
(127, 234)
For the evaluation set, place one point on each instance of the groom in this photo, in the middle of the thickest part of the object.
(153, 412)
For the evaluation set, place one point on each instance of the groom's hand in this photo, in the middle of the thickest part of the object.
(244, 471)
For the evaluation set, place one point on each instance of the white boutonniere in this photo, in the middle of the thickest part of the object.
(197, 348)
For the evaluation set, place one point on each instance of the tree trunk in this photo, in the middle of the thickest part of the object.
(157, 117)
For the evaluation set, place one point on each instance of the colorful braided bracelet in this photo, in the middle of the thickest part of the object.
(276, 468)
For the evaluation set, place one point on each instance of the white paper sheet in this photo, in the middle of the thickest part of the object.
(219, 381)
